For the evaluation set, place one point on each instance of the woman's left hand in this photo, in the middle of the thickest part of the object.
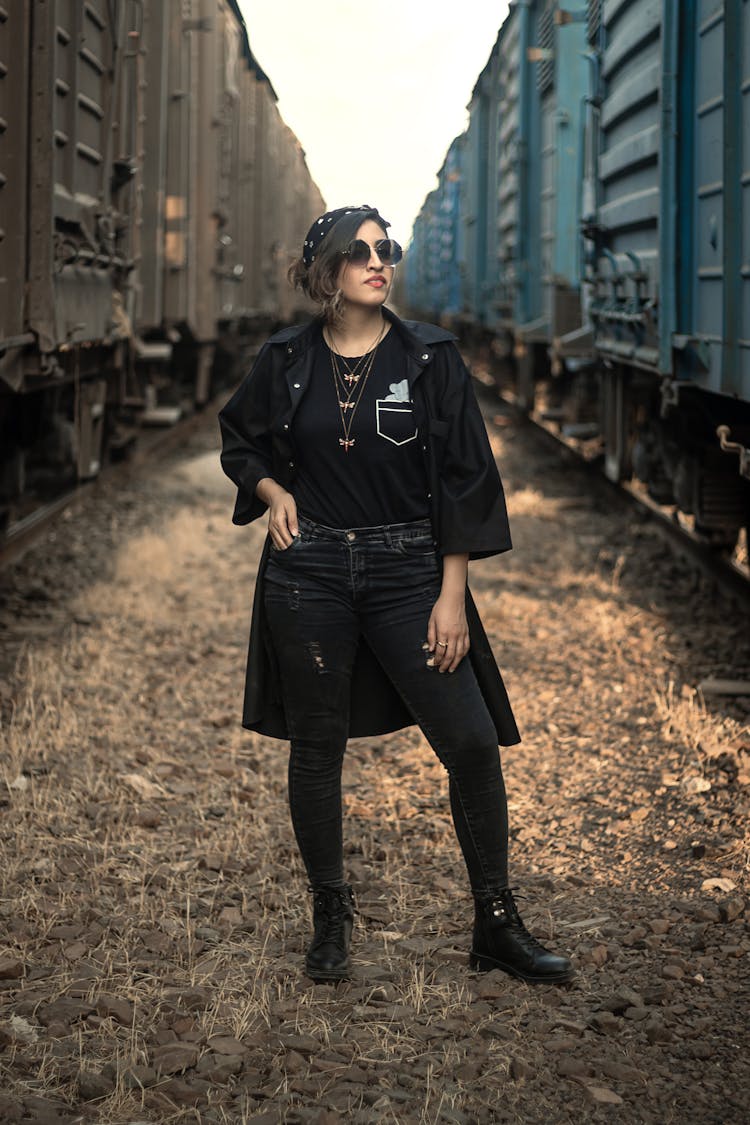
(448, 624)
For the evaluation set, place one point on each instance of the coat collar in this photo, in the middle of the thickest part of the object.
(418, 338)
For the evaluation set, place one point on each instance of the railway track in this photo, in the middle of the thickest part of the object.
(732, 577)
(20, 536)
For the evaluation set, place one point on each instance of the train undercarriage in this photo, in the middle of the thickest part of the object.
(60, 431)
(688, 449)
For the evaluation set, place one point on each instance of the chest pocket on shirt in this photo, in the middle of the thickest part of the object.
(394, 415)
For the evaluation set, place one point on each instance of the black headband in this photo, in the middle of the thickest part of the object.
(325, 223)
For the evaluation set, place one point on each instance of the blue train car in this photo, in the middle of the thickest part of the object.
(521, 186)
(479, 196)
(432, 279)
(516, 295)
(451, 255)
(605, 236)
(554, 87)
(410, 277)
(670, 233)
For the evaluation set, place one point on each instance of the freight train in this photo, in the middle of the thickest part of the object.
(593, 224)
(151, 198)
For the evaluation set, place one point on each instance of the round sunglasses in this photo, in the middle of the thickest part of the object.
(359, 252)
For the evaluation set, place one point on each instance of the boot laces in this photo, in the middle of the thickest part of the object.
(503, 907)
(332, 905)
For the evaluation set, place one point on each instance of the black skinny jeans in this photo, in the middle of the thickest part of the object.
(322, 592)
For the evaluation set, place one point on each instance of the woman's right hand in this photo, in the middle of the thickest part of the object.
(282, 512)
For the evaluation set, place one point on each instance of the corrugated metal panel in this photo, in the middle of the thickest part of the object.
(641, 148)
(560, 171)
(82, 59)
(549, 189)
(709, 175)
(261, 213)
(449, 295)
(246, 186)
(229, 264)
(179, 180)
(150, 308)
(545, 74)
(73, 257)
(207, 128)
(594, 20)
(14, 126)
(717, 206)
(480, 147)
(629, 137)
(489, 314)
(629, 25)
(742, 93)
(272, 205)
(509, 169)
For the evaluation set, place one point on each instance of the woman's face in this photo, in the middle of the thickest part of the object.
(370, 283)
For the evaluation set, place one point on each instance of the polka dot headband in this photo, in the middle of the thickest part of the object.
(327, 222)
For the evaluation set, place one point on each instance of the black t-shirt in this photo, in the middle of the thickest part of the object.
(381, 479)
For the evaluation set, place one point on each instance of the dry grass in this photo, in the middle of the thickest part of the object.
(151, 892)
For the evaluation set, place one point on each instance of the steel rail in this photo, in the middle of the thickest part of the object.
(25, 532)
(732, 578)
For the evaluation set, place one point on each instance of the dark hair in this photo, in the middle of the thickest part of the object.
(319, 280)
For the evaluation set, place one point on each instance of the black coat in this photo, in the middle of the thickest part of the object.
(467, 505)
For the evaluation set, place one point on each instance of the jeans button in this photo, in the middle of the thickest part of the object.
(350, 536)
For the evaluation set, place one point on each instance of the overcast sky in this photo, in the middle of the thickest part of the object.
(375, 93)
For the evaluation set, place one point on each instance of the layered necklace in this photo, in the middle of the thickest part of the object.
(349, 384)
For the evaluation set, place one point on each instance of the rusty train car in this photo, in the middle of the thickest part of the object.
(151, 198)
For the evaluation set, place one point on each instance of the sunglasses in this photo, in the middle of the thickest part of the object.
(359, 252)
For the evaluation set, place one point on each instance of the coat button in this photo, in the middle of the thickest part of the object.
(288, 351)
(296, 386)
(350, 535)
(429, 496)
(426, 355)
(286, 425)
(291, 464)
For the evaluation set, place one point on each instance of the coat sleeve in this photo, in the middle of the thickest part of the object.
(247, 447)
(473, 514)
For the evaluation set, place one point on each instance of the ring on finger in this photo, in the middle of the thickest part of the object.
(443, 644)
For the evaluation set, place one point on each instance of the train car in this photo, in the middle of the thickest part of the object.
(151, 198)
(521, 189)
(61, 261)
(669, 271)
(432, 277)
(517, 293)
(451, 280)
(478, 196)
(219, 216)
(622, 221)
(543, 80)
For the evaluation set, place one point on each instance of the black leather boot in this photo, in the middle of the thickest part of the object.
(501, 941)
(333, 919)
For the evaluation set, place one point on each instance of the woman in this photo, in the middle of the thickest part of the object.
(361, 435)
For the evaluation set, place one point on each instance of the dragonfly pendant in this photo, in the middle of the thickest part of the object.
(346, 443)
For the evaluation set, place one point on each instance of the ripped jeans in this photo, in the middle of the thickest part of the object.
(321, 593)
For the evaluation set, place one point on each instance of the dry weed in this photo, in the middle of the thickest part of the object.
(153, 901)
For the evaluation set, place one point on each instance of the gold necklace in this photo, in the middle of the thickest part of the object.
(349, 403)
(351, 376)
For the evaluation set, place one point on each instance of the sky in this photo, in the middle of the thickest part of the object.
(375, 93)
